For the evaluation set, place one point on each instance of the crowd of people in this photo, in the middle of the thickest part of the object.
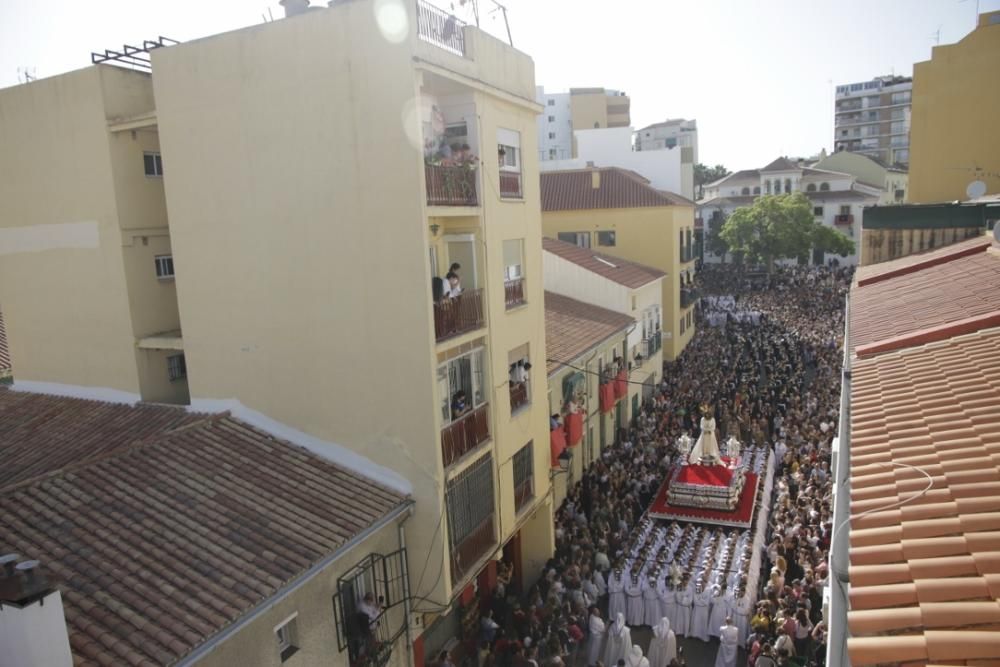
(774, 382)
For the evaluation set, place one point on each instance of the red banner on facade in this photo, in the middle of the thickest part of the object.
(557, 441)
(607, 394)
(621, 384)
(574, 428)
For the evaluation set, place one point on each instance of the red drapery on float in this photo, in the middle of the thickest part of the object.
(607, 394)
(621, 384)
(574, 428)
(557, 441)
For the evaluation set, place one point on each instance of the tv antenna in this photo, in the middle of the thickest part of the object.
(497, 7)
(26, 75)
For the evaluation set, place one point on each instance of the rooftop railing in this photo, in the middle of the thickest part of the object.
(440, 28)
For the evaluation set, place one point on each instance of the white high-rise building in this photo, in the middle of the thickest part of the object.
(579, 109)
(669, 134)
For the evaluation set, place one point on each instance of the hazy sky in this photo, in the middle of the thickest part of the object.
(758, 75)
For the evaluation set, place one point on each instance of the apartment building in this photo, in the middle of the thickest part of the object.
(579, 109)
(618, 213)
(954, 140)
(873, 118)
(838, 199)
(671, 133)
(301, 272)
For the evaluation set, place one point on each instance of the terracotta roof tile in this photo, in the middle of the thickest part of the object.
(940, 294)
(573, 190)
(160, 545)
(926, 570)
(572, 327)
(875, 272)
(616, 269)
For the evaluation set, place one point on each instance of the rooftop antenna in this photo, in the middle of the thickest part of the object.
(503, 10)
(25, 75)
(937, 35)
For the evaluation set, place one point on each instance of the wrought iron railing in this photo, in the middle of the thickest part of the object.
(465, 434)
(510, 185)
(688, 297)
(514, 292)
(518, 396)
(450, 186)
(469, 551)
(457, 315)
(440, 28)
(523, 492)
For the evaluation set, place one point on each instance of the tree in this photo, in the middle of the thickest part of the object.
(713, 240)
(780, 227)
(703, 175)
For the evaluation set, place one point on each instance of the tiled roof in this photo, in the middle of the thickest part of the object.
(745, 174)
(573, 190)
(910, 263)
(572, 327)
(940, 294)
(781, 164)
(160, 545)
(839, 195)
(621, 271)
(4, 353)
(925, 442)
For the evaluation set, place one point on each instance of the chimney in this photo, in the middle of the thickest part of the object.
(294, 7)
(595, 179)
(32, 623)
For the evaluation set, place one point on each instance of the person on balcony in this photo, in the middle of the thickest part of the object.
(454, 287)
(459, 406)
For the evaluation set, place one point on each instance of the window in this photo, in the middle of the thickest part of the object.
(811, 187)
(287, 634)
(508, 156)
(767, 187)
(153, 164)
(552, 119)
(756, 190)
(901, 98)
(524, 476)
(900, 195)
(902, 156)
(788, 185)
(689, 319)
(552, 135)
(817, 210)
(845, 209)
(470, 505)
(512, 269)
(176, 367)
(596, 125)
(164, 266)
(552, 154)
(463, 375)
(606, 239)
(581, 239)
(824, 187)
(551, 103)
(745, 191)
(683, 325)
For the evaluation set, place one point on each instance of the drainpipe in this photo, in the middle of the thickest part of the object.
(840, 541)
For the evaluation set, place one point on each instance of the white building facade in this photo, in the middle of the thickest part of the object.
(674, 133)
(838, 200)
(555, 126)
(873, 118)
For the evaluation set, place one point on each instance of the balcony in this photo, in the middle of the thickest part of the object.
(465, 434)
(440, 28)
(687, 254)
(518, 396)
(843, 220)
(514, 292)
(510, 185)
(469, 551)
(450, 186)
(458, 315)
(688, 297)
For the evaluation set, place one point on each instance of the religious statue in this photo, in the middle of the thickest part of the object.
(733, 449)
(684, 446)
(706, 450)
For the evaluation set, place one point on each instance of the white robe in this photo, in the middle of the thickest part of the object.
(633, 597)
(699, 616)
(619, 641)
(722, 606)
(728, 646)
(668, 602)
(595, 640)
(650, 604)
(707, 446)
(663, 645)
(741, 616)
(684, 602)
(635, 658)
(602, 586)
(616, 594)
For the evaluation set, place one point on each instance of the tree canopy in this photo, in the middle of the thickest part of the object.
(780, 227)
(704, 174)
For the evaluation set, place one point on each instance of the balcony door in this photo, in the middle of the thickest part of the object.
(462, 250)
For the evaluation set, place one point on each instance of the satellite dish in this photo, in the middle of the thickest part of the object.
(996, 231)
(975, 189)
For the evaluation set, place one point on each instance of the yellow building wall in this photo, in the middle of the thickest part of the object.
(62, 274)
(881, 245)
(295, 186)
(953, 128)
(646, 235)
(256, 645)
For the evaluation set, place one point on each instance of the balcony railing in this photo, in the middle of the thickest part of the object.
(450, 186)
(510, 184)
(458, 315)
(465, 434)
(687, 254)
(688, 297)
(440, 28)
(844, 220)
(518, 396)
(514, 292)
(467, 553)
